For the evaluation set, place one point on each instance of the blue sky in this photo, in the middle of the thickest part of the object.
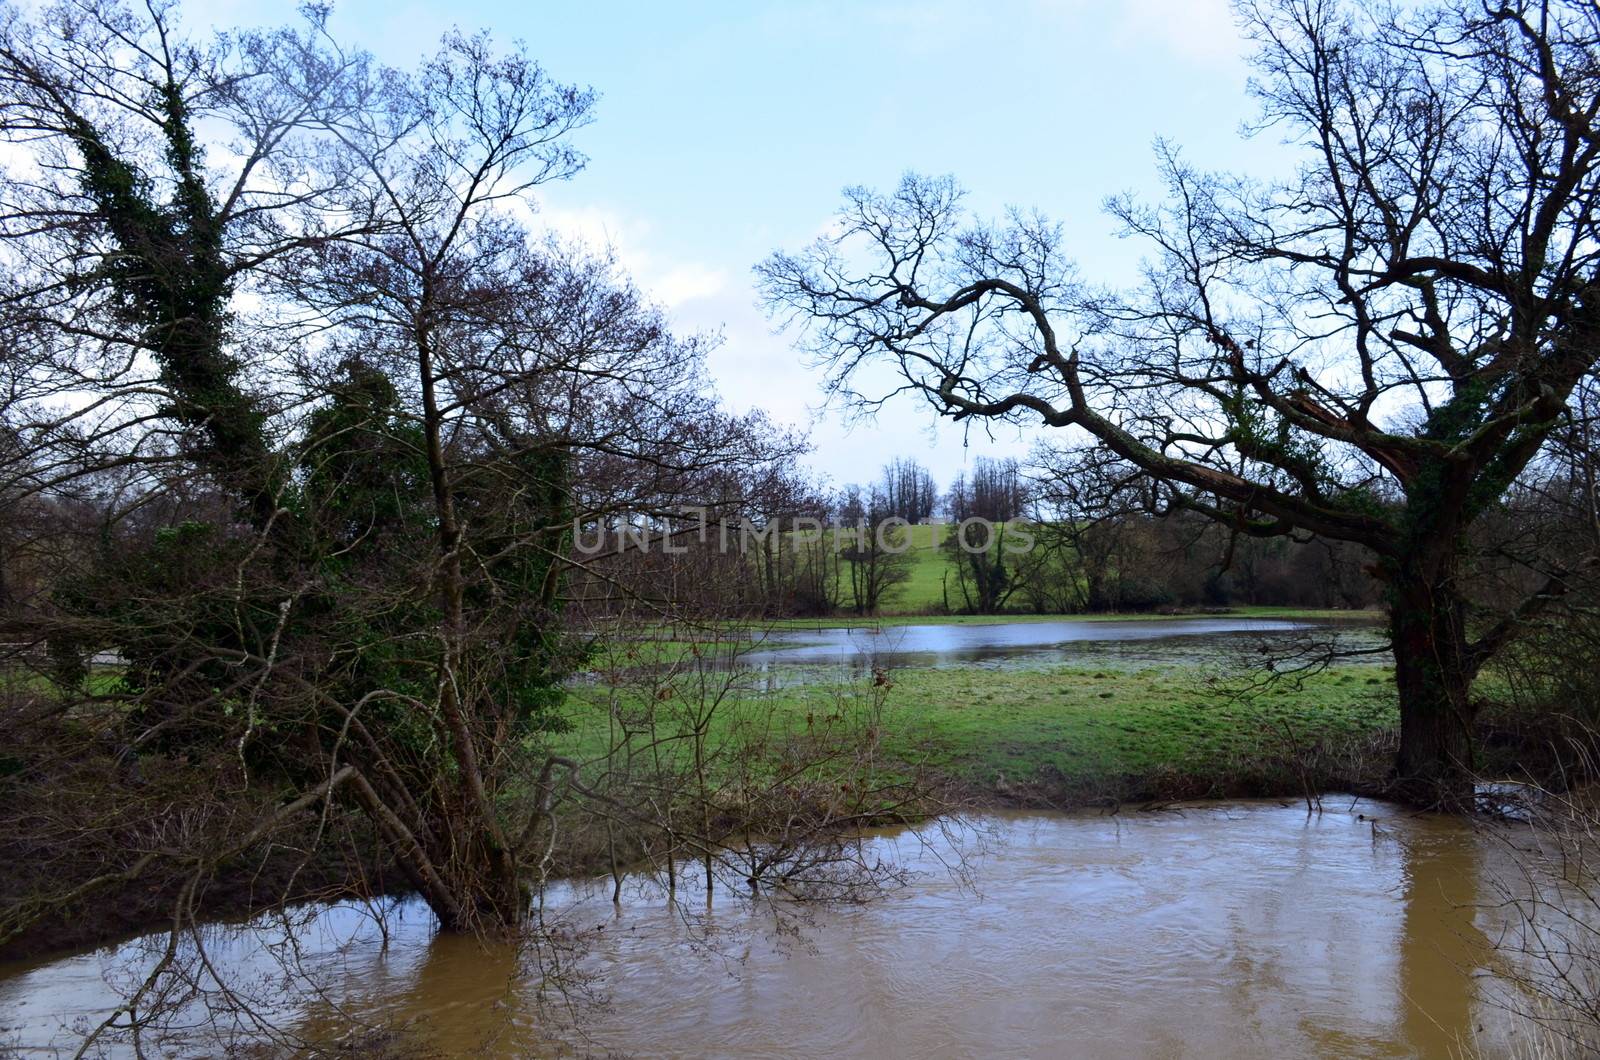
(725, 131)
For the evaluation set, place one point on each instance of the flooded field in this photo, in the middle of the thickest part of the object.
(1251, 930)
(1114, 643)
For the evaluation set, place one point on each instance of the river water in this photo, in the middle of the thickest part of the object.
(1252, 929)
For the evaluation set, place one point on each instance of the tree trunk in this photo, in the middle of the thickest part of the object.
(481, 898)
(496, 908)
(1433, 674)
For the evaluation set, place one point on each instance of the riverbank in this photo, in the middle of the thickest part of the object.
(1075, 736)
(970, 737)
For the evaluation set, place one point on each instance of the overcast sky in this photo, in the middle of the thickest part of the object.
(727, 130)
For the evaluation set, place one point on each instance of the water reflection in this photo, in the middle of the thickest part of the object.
(962, 643)
(1249, 930)
(1442, 877)
(785, 658)
(791, 657)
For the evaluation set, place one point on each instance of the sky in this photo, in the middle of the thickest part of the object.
(725, 131)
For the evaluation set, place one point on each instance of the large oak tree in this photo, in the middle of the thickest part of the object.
(1371, 350)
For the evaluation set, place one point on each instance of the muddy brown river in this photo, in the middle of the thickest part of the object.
(1242, 930)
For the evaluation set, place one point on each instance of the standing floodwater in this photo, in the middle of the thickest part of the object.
(1044, 642)
(1246, 930)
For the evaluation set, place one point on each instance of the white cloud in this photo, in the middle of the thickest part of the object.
(686, 283)
(1200, 30)
(597, 227)
(671, 283)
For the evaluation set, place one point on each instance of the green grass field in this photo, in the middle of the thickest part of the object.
(1079, 731)
(1097, 726)
(1073, 729)
(924, 589)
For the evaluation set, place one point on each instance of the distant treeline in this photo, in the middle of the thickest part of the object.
(1000, 538)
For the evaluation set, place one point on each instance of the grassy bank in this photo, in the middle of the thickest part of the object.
(1073, 735)
(1085, 729)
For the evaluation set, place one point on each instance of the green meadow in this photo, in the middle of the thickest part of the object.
(1074, 733)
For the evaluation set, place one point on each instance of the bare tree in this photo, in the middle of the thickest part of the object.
(909, 490)
(1371, 351)
(319, 409)
(875, 546)
(982, 505)
(1086, 527)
